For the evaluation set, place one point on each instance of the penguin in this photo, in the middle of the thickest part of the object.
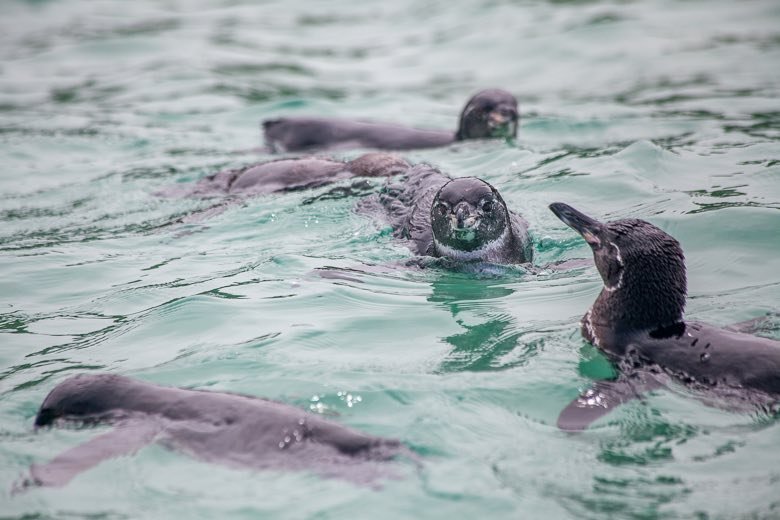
(638, 322)
(231, 429)
(491, 113)
(464, 219)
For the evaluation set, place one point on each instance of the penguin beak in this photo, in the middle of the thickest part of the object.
(464, 220)
(503, 120)
(589, 228)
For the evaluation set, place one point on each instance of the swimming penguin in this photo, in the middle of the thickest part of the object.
(490, 113)
(464, 219)
(637, 321)
(231, 429)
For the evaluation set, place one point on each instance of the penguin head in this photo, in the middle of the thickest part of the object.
(489, 113)
(468, 214)
(81, 397)
(643, 269)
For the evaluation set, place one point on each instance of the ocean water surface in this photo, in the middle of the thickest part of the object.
(663, 110)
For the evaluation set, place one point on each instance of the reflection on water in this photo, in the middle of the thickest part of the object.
(482, 345)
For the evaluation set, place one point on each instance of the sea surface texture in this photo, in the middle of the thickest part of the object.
(663, 110)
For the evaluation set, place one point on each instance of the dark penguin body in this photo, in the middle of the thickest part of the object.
(637, 321)
(464, 219)
(231, 429)
(489, 113)
(295, 174)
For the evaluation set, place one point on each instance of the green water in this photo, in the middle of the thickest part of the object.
(663, 110)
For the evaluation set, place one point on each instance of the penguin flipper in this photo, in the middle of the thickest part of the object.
(124, 439)
(601, 399)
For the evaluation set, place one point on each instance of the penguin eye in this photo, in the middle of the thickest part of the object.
(487, 206)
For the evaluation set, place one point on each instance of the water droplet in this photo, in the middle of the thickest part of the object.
(281, 445)
(286, 438)
(705, 357)
(592, 398)
(302, 421)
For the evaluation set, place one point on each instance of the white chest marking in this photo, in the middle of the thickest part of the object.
(478, 254)
(619, 258)
(590, 328)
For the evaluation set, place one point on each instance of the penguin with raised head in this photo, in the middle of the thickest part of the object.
(638, 322)
(464, 219)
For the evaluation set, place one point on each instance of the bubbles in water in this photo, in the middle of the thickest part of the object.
(348, 398)
(592, 398)
(317, 406)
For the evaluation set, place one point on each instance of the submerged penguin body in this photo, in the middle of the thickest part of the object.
(294, 174)
(231, 429)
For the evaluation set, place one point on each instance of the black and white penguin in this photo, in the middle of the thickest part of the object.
(464, 219)
(491, 113)
(638, 322)
(231, 429)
